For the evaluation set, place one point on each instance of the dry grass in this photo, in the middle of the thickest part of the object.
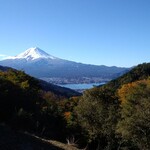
(54, 143)
(11, 140)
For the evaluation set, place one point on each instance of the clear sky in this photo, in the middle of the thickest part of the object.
(101, 32)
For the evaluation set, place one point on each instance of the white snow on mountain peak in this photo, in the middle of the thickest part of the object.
(32, 54)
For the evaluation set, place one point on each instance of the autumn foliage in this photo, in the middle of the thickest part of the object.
(115, 116)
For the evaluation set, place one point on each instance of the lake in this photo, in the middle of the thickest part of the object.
(81, 86)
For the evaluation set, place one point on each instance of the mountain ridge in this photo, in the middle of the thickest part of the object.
(40, 64)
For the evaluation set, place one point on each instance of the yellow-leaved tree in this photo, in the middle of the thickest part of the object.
(134, 125)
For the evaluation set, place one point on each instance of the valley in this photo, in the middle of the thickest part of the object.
(46, 116)
(84, 80)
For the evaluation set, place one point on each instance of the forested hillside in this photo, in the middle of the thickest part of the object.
(114, 116)
(26, 105)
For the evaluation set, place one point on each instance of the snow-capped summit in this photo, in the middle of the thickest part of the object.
(32, 54)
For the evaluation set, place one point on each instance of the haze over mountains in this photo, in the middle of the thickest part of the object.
(40, 64)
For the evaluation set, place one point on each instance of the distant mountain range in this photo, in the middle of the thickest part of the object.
(40, 64)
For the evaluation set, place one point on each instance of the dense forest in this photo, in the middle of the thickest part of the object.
(115, 116)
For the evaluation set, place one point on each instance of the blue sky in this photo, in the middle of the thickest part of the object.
(101, 32)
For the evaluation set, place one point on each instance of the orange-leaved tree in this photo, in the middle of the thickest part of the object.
(134, 125)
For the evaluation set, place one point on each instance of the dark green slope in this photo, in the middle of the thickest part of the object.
(60, 91)
(25, 105)
(140, 72)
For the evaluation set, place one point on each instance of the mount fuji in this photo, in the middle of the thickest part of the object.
(40, 64)
(32, 54)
